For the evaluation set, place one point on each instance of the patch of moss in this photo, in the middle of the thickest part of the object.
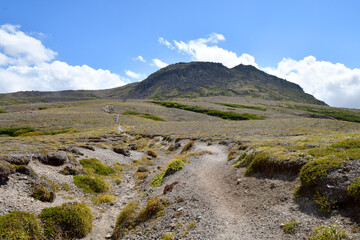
(315, 172)
(98, 167)
(168, 236)
(259, 163)
(332, 232)
(91, 184)
(173, 166)
(16, 131)
(20, 226)
(2, 110)
(354, 190)
(68, 221)
(347, 144)
(152, 117)
(130, 112)
(125, 221)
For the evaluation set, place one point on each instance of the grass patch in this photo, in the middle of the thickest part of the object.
(153, 207)
(168, 236)
(187, 146)
(2, 110)
(68, 221)
(43, 192)
(240, 106)
(16, 131)
(339, 114)
(130, 113)
(103, 199)
(347, 144)
(97, 166)
(328, 233)
(354, 190)
(173, 166)
(91, 184)
(228, 115)
(20, 226)
(289, 227)
(125, 221)
(152, 117)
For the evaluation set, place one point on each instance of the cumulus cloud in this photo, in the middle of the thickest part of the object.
(139, 58)
(158, 63)
(205, 49)
(26, 64)
(333, 83)
(134, 75)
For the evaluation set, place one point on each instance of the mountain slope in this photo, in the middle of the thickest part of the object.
(183, 80)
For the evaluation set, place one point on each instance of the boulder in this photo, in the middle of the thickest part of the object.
(17, 159)
(122, 151)
(5, 170)
(334, 187)
(53, 159)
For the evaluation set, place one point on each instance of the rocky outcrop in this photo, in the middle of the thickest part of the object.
(53, 159)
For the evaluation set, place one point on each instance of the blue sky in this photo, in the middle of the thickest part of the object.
(312, 43)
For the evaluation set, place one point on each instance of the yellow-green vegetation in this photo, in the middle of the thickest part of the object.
(315, 172)
(91, 184)
(173, 166)
(241, 106)
(354, 190)
(129, 217)
(152, 153)
(97, 166)
(43, 192)
(347, 144)
(2, 110)
(228, 115)
(145, 115)
(168, 236)
(130, 112)
(125, 221)
(16, 131)
(188, 228)
(187, 146)
(332, 232)
(20, 226)
(289, 227)
(324, 203)
(68, 221)
(103, 199)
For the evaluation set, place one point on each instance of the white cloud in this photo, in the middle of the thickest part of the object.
(139, 58)
(134, 75)
(335, 84)
(205, 49)
(158, 63)
(26, 64)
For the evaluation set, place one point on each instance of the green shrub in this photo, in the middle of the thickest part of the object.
(324, 203)
(68, 221)
(43, 192)
(259, 163)
(315, 172)
(168, 236)
(20, 226)
(97, 166)
(289, 227)
(328, 233)
(2, 110)
(229, 115)
(241, 106)
(173, 166)
(354, 190)
(125, 221)
(91, 184)
(16, 131)
(153, 206)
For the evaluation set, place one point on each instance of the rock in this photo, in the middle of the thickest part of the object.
(75, 151)
(108, 236)
(109, 109)
(25, 170)
(53, 159)
(142, 169)
(334, 187)
(133, 146)
(69, 170)
(17, 159)
(238, 181)
(122, 151)
(88, 147)
(5, 170)
(151, 153)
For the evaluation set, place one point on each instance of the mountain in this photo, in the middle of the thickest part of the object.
(194, 79)
(201, 79)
